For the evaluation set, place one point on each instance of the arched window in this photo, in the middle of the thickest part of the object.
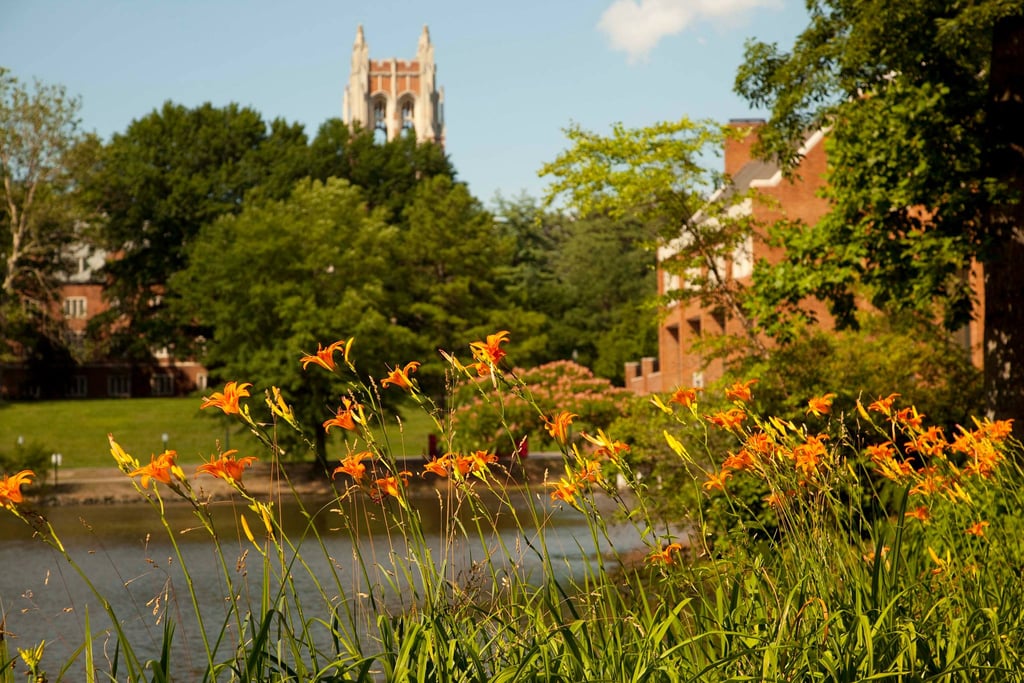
(380, 115)
(380, 120)
(408, 115)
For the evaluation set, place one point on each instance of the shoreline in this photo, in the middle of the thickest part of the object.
(110, 486)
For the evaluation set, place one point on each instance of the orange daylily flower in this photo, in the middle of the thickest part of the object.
(930, 442)
(809, 454)
(919, 513)
(684, 396)
(558, 427)
(352, 465)
(226, 467)
(740, 391)
(883, 405)
(897, 471)
(909, 417)
(228, 400)
(10, 487)
(605, 446)
(461, 464)
(346, 417)
(565, 491)
(716, 480)
(761, 444)
(479, 460)
(400, 376)
(977, 529)
(820, 405)
(590, 473)
(439, 466)
(489, 353)
(985, 459)
(389, 486)
(160, 468)
(739, 461)
(324, 357)
(881, 452)
(730, 419)
(996, 430)
(666, 555)
(930, 482)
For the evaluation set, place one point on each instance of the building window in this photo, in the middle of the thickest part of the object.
(380, 121)
(743, 259)
(75, 307)
(697, 380)
(79, 387)
(119, 385)
(408, 115)
(162, 385)
(380, 115)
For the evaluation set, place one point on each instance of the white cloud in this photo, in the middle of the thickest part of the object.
(636, 26)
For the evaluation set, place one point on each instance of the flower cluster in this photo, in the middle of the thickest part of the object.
(587, 468)
(929, 464)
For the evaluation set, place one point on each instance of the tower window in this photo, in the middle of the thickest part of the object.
(380, 110)
(408, 115)
(380, 121)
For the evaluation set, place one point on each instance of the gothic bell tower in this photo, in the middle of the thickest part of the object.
(393, 95)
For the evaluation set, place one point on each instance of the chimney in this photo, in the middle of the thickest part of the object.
(737, 152)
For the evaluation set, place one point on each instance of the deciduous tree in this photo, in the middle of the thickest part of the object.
(913, 95)
(171, 172)
(38, 138)
(653, 180)
(283, 276)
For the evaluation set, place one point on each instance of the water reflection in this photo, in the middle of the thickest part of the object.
(124, 551)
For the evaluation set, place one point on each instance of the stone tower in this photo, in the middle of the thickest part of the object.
(393, 95)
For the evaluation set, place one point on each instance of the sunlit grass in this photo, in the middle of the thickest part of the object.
(78, 429)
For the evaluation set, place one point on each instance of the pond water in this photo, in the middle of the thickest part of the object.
(125, 552)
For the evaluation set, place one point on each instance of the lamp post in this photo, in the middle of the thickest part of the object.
(164, 438)
(56, 459)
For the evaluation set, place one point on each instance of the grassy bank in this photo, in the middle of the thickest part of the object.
(78, 429)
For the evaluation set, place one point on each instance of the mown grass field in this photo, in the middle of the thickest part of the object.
(78, 429)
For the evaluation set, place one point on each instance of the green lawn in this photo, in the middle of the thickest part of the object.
(78, 429)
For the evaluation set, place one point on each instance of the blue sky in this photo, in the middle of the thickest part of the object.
(515, 73)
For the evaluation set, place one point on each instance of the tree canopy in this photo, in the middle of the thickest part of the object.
(171, 172)
(281, 277)
(906, 92)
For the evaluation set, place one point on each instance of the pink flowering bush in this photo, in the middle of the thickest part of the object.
(554, 387)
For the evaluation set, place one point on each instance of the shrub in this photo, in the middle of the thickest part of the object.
(490, 416)
(31, 456)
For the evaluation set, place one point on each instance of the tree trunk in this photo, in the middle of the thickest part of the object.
(1004, 269)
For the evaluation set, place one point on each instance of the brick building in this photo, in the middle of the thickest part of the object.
(82, 299)
(795, 198)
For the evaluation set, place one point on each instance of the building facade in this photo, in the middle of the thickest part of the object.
(84, 372)
(395, 95)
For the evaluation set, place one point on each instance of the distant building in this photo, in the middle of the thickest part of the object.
(81, 299)
(798, 197)
(394, 95)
